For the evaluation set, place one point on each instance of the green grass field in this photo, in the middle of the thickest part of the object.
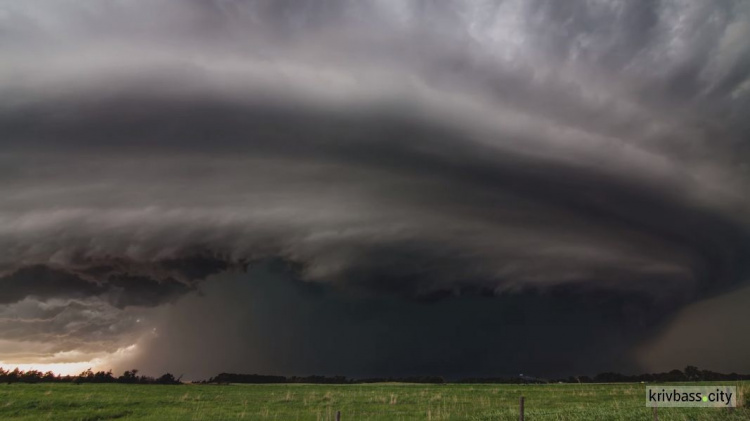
(356, 402)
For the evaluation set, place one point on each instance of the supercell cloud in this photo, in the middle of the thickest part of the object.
(370, 188)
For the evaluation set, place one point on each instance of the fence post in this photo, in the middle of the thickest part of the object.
(520, 409)
(338, 415)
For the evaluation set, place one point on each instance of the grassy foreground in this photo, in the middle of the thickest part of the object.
(356, 402)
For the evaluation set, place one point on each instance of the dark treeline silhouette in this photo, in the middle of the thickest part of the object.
(225, 378)
(88, 376)
(504, 380)
(690, 374)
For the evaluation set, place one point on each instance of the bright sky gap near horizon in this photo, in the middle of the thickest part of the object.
(374, 188)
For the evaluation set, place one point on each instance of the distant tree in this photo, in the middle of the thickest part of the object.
(167, 378)
(31, 376)
(693, 374)
(13, 376)
(129, 377)
(50, 377)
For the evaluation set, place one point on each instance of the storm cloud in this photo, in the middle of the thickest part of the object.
(440, 180)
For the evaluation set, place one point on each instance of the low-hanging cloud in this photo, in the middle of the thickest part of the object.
(418, 151)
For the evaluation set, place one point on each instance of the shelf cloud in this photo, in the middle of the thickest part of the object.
(439, 187)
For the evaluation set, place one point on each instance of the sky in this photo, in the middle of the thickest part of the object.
(374, 188)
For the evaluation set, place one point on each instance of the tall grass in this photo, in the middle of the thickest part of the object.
(356, 402)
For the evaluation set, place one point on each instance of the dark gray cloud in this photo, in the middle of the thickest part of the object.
(444, 159)
(119, 289)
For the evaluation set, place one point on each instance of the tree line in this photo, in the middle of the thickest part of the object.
(226, 378)
(88, 376)
(689, 374)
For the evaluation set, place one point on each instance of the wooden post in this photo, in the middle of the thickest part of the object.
(520, 409)
(338, 415)
(656, 414)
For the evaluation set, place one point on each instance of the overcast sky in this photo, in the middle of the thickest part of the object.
(374, 188)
